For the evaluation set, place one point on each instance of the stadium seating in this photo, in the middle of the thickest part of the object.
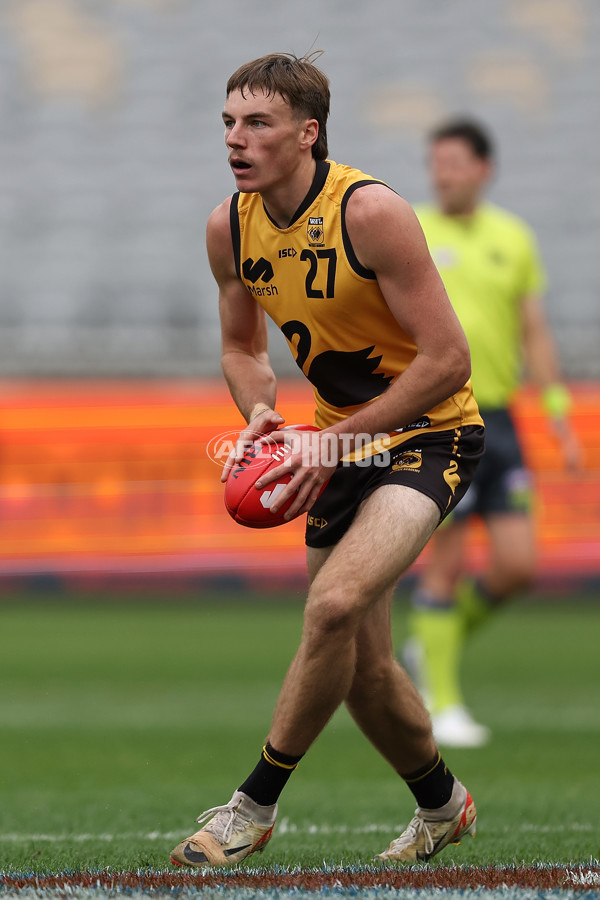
(112, 156)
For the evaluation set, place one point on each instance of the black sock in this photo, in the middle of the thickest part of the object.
(432, 785)
(270, 776)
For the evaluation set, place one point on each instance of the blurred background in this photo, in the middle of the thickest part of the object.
(111, 159)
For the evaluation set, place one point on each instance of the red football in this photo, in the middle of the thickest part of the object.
(243, 501)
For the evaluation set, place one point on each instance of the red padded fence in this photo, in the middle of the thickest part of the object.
(115, 478)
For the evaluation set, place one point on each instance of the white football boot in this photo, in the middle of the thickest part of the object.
(234, 831)
(433, 829)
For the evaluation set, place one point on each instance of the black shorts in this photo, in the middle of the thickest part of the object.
(502, 483)
(439, 464)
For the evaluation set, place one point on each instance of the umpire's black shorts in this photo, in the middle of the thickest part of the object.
(502, 482)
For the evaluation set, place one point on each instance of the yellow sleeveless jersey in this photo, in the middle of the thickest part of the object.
(330, 308)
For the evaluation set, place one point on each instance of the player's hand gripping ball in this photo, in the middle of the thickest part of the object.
(249, 505)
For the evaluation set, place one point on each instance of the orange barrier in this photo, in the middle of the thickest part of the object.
(115, 477)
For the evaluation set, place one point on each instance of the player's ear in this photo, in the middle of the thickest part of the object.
(309, 133)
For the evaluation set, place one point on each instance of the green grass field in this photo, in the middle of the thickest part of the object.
(122, 720)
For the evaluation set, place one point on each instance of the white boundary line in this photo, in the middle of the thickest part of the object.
(284, 826)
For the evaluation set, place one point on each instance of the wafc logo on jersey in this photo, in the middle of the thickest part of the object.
(315, 231)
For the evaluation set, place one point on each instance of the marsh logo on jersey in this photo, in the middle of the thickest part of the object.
(410, 459)
(262, 269)
(316, 232)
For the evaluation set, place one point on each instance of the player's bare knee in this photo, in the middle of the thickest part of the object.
(330, 611)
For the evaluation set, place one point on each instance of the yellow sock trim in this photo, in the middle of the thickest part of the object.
(421, 777)
(280, 765)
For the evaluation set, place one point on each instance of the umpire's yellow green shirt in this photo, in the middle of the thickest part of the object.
(489, 263)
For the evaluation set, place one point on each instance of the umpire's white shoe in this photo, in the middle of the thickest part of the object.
(455, 727)
(431, 830)
(236, 830)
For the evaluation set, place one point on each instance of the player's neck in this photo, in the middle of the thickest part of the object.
(464, 208)
(283, 199)
(462, 214)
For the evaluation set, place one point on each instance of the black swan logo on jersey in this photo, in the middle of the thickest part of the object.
(342, 378)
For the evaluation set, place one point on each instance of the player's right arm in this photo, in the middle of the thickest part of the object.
(244, 348)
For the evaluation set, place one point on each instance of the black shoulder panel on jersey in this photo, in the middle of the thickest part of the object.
(321, 172)
(318, 183)
(348, 248)
(235, 233)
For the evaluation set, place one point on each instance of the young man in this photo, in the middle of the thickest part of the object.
(489, 262)
(339, 261)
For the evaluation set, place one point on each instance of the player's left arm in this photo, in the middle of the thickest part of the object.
(387, 239)
(541, 358)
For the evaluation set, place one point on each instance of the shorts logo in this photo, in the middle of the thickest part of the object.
(410, 459)
(423, 422)
(315, 231)
(316, 521)
(451, 476)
